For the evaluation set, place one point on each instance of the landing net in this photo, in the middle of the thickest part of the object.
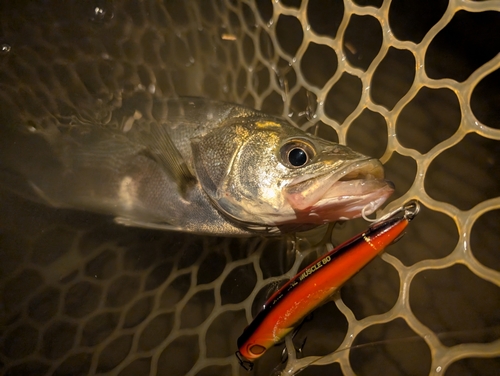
(412, 83)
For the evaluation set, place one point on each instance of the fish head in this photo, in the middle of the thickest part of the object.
(271, 174)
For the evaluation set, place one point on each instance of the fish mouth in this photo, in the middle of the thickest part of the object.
(345, 193)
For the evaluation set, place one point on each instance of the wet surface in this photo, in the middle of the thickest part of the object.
(81, 295)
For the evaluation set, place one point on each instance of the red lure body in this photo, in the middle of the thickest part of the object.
(317, 282)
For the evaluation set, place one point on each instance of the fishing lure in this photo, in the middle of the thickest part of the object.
(285, 309)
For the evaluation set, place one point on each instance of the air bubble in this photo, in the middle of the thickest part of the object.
(101, 13)
(4, 49)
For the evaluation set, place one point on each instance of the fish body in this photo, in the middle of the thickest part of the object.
(286, 308)
(196, 165)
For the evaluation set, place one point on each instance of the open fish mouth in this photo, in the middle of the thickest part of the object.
(342, 194)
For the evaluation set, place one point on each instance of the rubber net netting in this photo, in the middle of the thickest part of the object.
(414, 83)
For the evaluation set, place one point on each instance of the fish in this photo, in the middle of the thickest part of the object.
(194, 165)
(313, 285)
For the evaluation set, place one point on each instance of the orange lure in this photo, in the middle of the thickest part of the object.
(285, 309)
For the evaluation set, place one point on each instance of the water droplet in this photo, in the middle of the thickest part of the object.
(438, 369)
(102, 12)
(152, 88)
(4, 49)
(99, 12)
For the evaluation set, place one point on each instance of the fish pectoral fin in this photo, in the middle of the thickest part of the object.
(19, 185)
(149, 225)
(163, 150)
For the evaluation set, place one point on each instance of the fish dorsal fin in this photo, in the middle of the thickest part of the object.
(161, 148)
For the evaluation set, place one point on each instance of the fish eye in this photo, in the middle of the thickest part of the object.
(297, 157)
(296, 154)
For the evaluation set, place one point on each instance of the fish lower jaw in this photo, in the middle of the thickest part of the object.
(350, 206)
(355, 179)
(344, 200)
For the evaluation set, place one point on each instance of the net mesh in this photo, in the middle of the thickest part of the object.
(415, 85)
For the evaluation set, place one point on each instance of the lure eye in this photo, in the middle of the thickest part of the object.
(257, 349)
(296, 154)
